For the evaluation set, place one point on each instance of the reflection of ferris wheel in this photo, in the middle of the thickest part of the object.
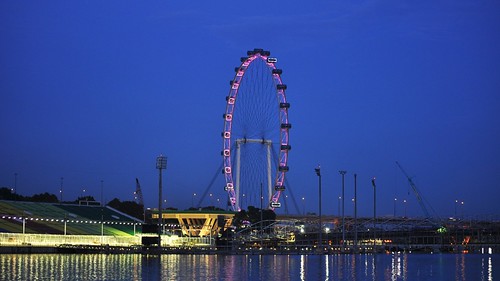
(255, 136)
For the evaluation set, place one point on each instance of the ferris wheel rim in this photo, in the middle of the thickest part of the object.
(284, 126)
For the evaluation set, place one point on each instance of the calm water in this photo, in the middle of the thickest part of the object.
(250, 267)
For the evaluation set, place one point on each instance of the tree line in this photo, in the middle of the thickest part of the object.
(128, 207)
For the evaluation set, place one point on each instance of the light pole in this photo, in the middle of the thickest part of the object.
(404, 202)
(286, 205)
(318, 173)
(61, 190)
(338, 205)
(303, 206)
(456, 203)
(161, 164)
(261, 218)
(102, 192)
(192, 200)
(374, 212)
(462, 203)
(102, 210)
(343, 217)
(395, 201)
(355, 215)
(15, 184)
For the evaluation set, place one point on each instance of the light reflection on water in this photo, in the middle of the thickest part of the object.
(248, 267)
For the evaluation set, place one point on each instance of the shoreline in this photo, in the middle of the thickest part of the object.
(106, 249)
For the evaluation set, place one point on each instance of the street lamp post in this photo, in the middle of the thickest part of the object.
(338, 205)
(261, 218)
(15, 184)
(355, 215)
(61, 190)
(303, 206)
(192, 200)
(318, 173)
(102, 192)
(395, 201)
(161, 164)
(343, 214)
(404, 202)
(374, 212)
(462, 203)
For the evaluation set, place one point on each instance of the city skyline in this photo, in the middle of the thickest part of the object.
(93, 93)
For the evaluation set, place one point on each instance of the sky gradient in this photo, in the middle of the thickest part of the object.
(93, 91)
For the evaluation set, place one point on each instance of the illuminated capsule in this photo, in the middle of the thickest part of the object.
(275, 205)
(279, 188)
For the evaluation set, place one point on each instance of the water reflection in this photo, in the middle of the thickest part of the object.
(395, 266)
(399, 266)
(69, 267)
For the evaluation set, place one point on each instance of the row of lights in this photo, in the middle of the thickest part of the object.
(72, 221)
(78, 221)
(178, 225)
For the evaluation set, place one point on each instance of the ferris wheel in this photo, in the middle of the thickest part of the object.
(255, 135)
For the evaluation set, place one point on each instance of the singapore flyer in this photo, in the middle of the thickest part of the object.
(256, 133)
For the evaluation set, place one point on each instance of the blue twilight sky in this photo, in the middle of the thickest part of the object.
(96, 90)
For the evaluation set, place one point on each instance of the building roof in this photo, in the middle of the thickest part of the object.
(55, 218)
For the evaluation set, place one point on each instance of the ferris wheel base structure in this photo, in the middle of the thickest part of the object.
(256, 98)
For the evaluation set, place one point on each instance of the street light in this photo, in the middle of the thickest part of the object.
(304, 206)
(61, 190)
(243, 201)
(355, 214)
(192, 200)
(374, 211)
(404, 201)
(343, 217)
(161, 164)
(395, 201)
(462, 203)
(14, 190)
(102, 190)
(338, 205)
(286, 205)
(318, 173)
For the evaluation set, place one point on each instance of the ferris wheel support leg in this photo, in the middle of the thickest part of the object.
(237, 186)
(269, 181)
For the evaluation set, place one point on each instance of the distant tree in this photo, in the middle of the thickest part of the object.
(7, 194)
(253, 216)
(85, 198)
(212, 208)
(44, 197)
(115, 203)
(128, 207)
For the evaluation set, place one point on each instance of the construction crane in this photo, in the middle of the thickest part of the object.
(417, 193)
(138, 197)
(138, 193)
